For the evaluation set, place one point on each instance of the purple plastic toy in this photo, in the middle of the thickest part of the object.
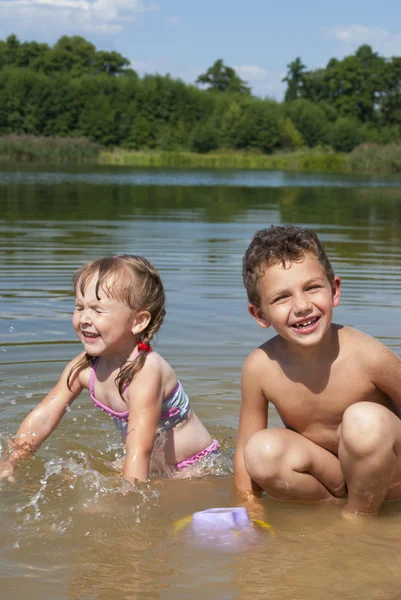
(220, 520)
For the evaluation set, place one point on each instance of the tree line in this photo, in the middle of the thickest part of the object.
(74, 90)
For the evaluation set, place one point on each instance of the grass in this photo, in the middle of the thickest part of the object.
(366, 158)
(30, 148)
(301, 160)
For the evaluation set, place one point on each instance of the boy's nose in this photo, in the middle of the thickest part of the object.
(302, 304)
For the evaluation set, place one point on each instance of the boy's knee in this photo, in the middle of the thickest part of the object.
(364, 428)
(264, 454)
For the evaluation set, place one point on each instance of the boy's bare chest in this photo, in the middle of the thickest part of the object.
(310, 396)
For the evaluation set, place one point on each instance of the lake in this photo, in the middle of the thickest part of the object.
(69, 530)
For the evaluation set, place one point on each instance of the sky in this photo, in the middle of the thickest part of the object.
(185, 37)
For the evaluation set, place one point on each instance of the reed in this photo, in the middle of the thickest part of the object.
(376, 158)
(371, 158)
(301, 160)
(30, 148)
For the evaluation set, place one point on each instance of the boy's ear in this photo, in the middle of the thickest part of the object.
(259, 316)
(336, 291)
(140, 322)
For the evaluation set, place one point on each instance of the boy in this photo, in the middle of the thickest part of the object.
(337, 390)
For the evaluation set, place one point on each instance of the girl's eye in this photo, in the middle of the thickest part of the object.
(313, 287)
(280, 298)
(78, 308)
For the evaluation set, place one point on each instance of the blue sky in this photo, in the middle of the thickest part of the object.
(184, 37)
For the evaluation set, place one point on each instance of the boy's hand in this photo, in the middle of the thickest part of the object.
(7, 471)
(253, 504)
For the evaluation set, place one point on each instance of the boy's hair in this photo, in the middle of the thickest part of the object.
(280, 244)
(134, 281)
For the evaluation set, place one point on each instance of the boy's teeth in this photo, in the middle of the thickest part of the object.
(306, 323)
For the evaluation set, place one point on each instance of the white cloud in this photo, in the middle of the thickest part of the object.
(76, 16)
(382, 40)
(262, 82)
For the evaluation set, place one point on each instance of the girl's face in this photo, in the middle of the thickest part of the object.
(105, 326)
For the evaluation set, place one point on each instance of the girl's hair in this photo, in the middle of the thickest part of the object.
(280, 244)
(134, 281)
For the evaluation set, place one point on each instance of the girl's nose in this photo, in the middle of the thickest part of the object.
(84, 316)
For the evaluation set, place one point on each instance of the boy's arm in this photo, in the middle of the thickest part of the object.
(144, 416)
(384, 369)
(253, 418)
(42, 420)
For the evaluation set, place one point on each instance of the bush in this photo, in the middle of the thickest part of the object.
(310, 121)
(375, 158)
(28, 148)
(291, 139)
(346, 134)
(259, 127)
(204, 139)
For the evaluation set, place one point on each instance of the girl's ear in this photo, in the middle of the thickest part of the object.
(336, 290)
(140, 322)
(259, 316)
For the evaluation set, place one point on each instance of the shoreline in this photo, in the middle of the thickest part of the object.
(308, 160)
(371, 159)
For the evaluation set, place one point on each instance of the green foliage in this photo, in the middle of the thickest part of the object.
(374, 158)
(259, 127)
(73, 55)
(74, 90)
(291, 139)
(28, 148)
(221, 78)
(294, 79)
(204, 138)
(346, 134)
(355, 86)
(310, 121)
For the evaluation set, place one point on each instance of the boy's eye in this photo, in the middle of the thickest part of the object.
(78, 308)
(313, 287)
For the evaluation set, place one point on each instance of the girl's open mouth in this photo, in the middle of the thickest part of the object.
(90, 336)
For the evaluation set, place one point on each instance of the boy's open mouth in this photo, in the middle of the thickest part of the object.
(306, 324)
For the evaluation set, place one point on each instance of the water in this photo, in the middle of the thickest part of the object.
(69, 527)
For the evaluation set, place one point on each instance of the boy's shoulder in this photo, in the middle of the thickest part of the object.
(354, 341)
(260, 357)
(351, 342)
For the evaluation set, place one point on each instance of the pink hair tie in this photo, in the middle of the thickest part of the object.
(144, 347)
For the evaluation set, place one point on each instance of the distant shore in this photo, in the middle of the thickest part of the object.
(301, 160)
(366, 158)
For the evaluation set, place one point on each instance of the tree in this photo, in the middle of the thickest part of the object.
(259, 127)
(310, 121)
(294, 79)
(353, 85)
(346, 134)
(221, 78)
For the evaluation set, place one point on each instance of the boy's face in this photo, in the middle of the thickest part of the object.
(297, 300)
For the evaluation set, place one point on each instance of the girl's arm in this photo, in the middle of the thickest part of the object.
(42, 420)
(253, 418)
(144, 415)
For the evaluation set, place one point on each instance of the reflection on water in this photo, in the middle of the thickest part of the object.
(71, 528)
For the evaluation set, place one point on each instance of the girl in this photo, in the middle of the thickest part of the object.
(119, 306)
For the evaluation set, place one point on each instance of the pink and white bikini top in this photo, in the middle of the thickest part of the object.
(175, 407)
